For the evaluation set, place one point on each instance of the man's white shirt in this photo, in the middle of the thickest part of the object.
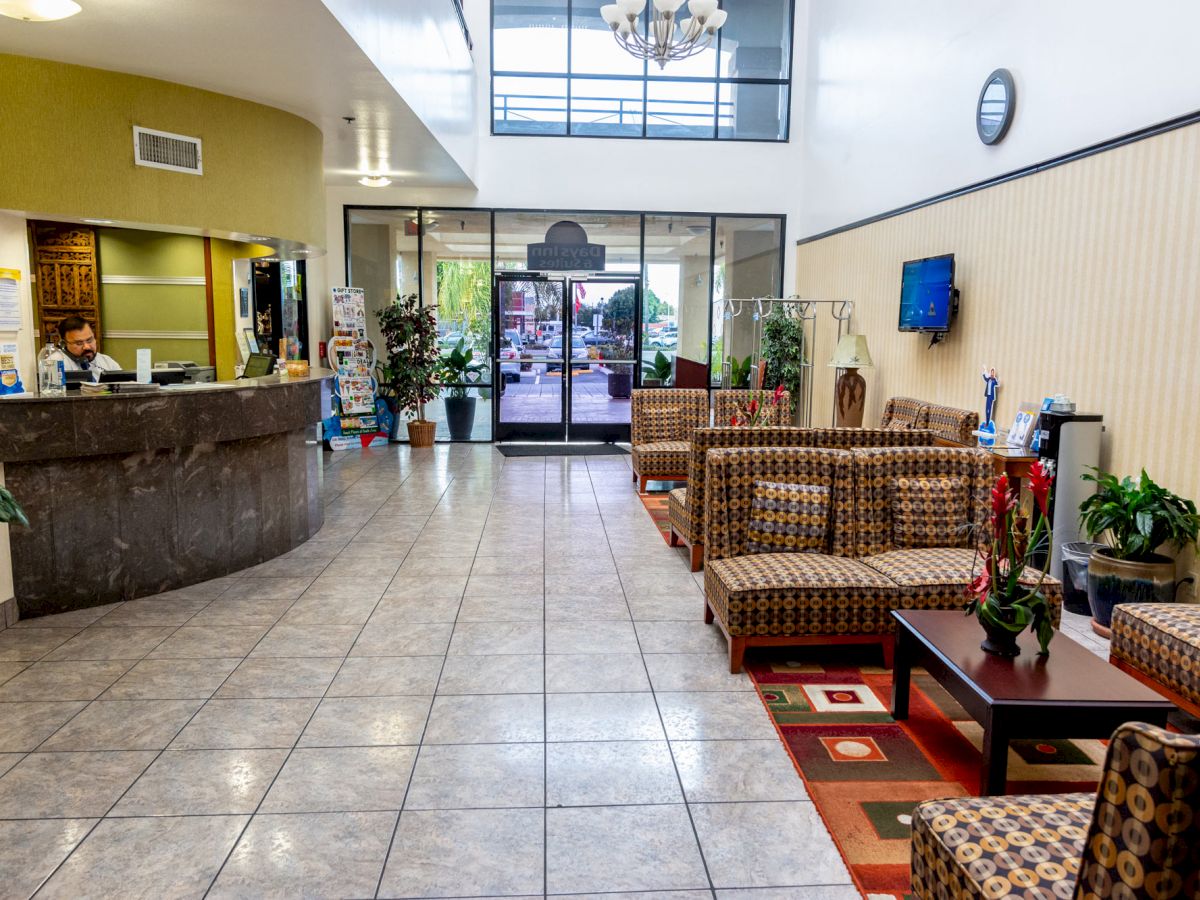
(100, 361)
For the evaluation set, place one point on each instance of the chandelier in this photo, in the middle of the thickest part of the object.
(662, 44)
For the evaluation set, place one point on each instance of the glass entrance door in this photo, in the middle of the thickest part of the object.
(565, 352)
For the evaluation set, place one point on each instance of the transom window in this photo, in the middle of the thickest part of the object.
(557, 70)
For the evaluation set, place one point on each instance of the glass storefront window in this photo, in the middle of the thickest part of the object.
(675, 307)
(747, 264)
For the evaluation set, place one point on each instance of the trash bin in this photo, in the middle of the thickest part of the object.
(1075, 557)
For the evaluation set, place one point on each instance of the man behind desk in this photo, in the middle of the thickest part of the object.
(79, 341)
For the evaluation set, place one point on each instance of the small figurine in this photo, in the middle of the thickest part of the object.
(991, 384)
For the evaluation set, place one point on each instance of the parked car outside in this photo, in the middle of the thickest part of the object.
(510, 363)
(450, 339)
(592, 338)
(579, 354)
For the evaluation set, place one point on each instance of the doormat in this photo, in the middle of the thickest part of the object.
(865, 772)
(561, 450)
(656, 505)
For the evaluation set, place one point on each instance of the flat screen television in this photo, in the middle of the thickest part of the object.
(928, 300)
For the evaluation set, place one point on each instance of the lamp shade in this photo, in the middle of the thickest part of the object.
(852, 353)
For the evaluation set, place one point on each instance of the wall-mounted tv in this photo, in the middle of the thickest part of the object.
(928, 300)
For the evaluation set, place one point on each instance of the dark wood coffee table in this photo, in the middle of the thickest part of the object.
(1072, 693)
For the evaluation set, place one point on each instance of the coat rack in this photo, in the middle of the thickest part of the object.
(807, 311)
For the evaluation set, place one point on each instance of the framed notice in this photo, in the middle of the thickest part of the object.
(10, 299)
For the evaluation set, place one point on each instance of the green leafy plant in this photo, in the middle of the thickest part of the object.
(739, 372)
(660, 368)
(10, 510)
(616, 350)
(459, 369)
(783, 352)
(407, 375)
(1002, 598)
(1137, 517)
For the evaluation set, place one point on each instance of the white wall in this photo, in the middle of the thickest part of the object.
(891, 90)
(602, 174)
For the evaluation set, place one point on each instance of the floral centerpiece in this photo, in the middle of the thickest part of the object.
(1006, 596)
(753, 412)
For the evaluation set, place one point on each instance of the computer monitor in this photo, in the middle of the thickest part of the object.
(259, 364)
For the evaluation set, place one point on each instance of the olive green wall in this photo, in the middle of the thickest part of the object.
(67, 150)
(155, 308)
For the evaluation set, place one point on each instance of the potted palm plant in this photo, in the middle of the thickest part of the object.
(408, 373)
(458, 370)
(1135, 519)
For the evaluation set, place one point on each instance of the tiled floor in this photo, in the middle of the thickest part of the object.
(484, 677)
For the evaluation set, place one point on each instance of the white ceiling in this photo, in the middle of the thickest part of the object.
(289, 54)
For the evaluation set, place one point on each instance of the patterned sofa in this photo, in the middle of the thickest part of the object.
(948, 423)
(1138, 836)
(661, 425)
(888, 528)
(686, 505)
(730, 403)
(1159, 645)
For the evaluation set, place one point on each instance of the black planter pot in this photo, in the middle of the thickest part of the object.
(1112, 581)
(999, 641)
(460, 417)
(620, 385)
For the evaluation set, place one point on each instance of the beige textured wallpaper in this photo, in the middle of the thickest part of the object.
(1083, 279)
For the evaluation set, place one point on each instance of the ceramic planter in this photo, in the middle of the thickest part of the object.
(460, 417)
(1112, 581)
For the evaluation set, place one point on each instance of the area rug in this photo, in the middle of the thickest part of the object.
(865, 771)
(561, 450)
(656, 505)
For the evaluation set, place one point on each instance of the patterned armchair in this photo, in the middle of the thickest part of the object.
(685, 506)
(919, 513)
(900, 413)
(662, 421)
(785, 598)
(1137, 837)
(1159, 645)
(949, 423)
(727, 404)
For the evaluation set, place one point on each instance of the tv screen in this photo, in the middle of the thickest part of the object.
(926, 291)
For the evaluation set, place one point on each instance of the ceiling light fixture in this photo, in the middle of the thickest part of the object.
(39, 10)
(99, 221)
(663, 45)
(374, 181)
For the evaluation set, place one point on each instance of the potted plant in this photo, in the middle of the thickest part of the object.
(458, 370)
(620, 375)
(408, 374)
(1135, 518)
(1004, 601)
(783, 353)
(739, 373)
(657, 373)
(10, 510)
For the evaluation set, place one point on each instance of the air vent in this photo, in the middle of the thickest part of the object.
(163, 150)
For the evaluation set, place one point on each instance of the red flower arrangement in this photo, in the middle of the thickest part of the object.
(754, 409)
(1004, 602)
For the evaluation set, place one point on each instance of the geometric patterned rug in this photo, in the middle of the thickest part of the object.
(656, 505)
(865, 771)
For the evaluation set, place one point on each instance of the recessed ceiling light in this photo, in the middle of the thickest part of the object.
(38, 10)
(99, 221)
(374, 181)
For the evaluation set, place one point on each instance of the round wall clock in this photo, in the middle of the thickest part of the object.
(997, 103)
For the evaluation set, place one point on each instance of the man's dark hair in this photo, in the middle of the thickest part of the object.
(72, 323)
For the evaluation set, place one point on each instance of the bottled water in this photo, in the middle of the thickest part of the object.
(52, 380)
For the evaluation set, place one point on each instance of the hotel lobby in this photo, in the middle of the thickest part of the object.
(550, 448)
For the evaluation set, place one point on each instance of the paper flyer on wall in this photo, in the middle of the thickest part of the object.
(10, 370)
(10, 299)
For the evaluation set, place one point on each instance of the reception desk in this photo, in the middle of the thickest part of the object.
(130, 495)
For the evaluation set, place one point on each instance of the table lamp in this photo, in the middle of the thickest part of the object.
(851, 392)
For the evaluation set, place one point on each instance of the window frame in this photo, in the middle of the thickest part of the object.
(645, 78)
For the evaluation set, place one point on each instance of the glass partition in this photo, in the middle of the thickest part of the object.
(747, 263)
(676, 303)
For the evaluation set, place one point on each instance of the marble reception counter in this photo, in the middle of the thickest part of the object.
(133, 494)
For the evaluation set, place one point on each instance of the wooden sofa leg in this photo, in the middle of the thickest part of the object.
(737, 652)
(708, 614)
(643, 481)
(888, 645)
(673, 540)
(634, 476)
(697, 557)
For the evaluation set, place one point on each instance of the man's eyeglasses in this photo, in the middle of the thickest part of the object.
(84, 343)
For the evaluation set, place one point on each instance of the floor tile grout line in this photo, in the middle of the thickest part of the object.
(666, 737)
(424, 729)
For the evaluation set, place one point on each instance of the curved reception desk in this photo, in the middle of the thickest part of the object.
(132, 494)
